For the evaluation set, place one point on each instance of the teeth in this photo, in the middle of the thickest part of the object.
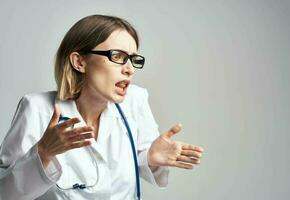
(122, 84)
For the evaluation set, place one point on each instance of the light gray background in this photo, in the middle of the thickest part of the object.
(221, 68)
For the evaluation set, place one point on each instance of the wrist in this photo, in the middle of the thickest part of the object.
(153, 168)
(150, 164)
(45, 159)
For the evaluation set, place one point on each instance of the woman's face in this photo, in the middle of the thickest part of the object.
(105, 79)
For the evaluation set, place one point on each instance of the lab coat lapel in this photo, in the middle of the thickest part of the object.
(66, 107)
(111, 119)
(107, 123)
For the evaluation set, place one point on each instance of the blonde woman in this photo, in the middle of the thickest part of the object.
(95, 135)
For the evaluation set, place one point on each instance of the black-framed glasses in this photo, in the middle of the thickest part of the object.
(120, 57)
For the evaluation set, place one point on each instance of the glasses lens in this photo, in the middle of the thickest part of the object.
(138, 61)
(118, 56)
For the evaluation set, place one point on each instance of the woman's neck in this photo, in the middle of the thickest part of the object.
(90, 107)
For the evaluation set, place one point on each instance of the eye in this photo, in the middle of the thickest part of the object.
(118, 56)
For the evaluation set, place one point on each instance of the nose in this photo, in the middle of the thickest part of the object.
(128, 68)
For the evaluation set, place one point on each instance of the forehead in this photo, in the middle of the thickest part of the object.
(119, 39)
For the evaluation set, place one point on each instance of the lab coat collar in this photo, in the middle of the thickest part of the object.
(69, 109)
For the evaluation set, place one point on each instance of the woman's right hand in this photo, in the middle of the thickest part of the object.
(59, 137)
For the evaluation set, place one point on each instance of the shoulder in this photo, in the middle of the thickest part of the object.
(136, 98)
(30, 105)
(137, 92)
(135, 95)
(39, 101)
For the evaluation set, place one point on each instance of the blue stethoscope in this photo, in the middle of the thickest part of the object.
(83, 186)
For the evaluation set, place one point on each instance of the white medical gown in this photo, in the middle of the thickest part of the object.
(107, 165)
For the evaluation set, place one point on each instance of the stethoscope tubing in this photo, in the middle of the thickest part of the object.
(133, 150)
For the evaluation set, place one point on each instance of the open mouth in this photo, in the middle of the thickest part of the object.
(122, 87)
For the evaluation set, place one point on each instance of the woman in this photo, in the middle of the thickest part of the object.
(74, 143)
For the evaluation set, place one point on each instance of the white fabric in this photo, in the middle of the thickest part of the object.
(108, 161)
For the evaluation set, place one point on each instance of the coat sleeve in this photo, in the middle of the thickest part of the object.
(148, 132)
(22, 175)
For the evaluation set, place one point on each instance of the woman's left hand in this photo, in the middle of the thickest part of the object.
(166, 152)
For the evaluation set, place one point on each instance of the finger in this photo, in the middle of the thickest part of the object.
(192, 147)
(79, 144)
(68, 123)
(188, 160)
(183, 165)
(175, 129)
(191, 153)
(81, 137)
(76, 131)
(55, 116)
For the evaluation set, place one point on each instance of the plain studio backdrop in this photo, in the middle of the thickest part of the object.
(221, 68)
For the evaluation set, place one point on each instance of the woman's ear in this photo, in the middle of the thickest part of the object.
(78, 62)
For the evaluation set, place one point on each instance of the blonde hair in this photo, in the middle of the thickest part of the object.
(84, 35)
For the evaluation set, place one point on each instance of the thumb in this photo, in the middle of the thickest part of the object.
(55, 117)
(175, 129)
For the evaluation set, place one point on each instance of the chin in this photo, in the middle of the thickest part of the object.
(117, 99)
